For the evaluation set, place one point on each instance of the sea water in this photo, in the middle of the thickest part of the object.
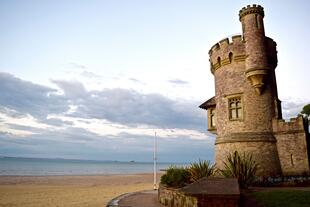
(43, 167)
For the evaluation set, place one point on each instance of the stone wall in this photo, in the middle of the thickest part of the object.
(292, 146)
(264, 153)
(172, 197)
(207, 192)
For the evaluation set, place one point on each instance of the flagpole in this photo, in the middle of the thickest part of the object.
(155, 160)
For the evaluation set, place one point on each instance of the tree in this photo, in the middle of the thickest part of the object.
(306, 112)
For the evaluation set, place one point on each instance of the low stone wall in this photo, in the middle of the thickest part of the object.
(213, 192)
(172, 197)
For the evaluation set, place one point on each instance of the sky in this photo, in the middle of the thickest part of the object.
(96, 79)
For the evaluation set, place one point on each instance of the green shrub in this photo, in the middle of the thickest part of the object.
(243, 168)
(175, 177)
(201, 169)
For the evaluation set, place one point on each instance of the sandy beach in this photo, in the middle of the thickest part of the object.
(69, 190)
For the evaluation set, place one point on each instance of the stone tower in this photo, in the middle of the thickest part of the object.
(245, 109)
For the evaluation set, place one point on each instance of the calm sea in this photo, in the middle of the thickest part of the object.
(42, 167)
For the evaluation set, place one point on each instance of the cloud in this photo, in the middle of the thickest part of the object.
(129, 107)
(25, 97)
(110, 123)
(132, 108)
(57, 122)
(136, 81)
(88, 74)
(72, 89)
(291, 107)
(11, 113)
(76, 65)
(79, 143)
(178, 82)
(124, 106)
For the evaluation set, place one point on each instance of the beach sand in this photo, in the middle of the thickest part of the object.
(69, 190)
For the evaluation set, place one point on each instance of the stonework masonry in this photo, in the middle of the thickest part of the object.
(248, 112)
(206, 192)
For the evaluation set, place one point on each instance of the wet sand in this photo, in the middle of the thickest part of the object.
(69, 190)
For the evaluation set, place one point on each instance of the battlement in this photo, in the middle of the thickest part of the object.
(226, 51)
(232, 49)
(254, 9)
(235, 39)
(294, 125)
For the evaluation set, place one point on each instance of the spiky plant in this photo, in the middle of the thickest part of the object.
(242, 167)
(201, 169)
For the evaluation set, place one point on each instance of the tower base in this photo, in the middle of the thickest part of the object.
(263, 149)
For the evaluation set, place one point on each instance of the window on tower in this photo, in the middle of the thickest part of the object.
(212, 118)
(235, 108)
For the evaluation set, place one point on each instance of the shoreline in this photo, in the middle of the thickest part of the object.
(70, 190)
(69, 175)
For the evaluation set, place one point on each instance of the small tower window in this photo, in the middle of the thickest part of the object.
(243, 29)
(257, 22)
(235, 108)
(212, 118)
(219, 61)
(292, 161)
(230, 57)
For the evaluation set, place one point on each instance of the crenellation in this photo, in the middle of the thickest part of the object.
(292, 145)
(294, 125)
(236, 39)
(214, 48)
(251, 10)
(236, 46)
(222, 50)
(293, 119)
(224, 43)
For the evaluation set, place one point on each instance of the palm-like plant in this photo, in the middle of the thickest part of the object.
(242, 167)
(201, 169)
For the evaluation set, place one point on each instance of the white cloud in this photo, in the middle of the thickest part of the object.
(120, 119)
(291, 107)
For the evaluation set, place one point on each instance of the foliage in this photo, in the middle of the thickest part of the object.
(201, 169)
(306, 112)
(175, 177)
(242, 167)
(279, 198)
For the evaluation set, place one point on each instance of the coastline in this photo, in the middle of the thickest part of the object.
(70, 190)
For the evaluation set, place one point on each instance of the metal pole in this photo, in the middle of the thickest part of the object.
(155, 159)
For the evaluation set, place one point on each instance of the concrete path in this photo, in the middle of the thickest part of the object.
(138, 199)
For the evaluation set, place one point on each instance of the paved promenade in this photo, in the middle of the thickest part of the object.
(138, 199)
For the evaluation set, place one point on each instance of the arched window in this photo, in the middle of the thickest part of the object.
(219, 61)
(243, 29)
(257, 22)
(292, 161)
(212, 118)
(230, 57)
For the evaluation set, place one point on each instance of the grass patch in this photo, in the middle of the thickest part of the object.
(283, 198)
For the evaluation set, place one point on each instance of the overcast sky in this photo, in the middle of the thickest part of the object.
(96, 79)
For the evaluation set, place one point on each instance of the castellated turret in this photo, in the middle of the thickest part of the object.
(246, 108)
